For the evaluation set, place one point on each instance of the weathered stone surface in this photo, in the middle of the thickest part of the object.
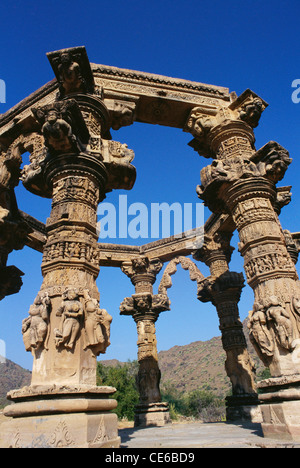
(65, 126)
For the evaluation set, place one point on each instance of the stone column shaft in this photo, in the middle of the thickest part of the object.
(224, 289)
(70, 268)
(242, 182)
(145, 308)
(270, 272)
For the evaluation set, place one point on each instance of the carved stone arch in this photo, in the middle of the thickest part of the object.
(11, 159)
(171, 269)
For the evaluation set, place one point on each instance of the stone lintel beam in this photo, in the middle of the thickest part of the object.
(164, 249)
(37, 238)
(161, 100)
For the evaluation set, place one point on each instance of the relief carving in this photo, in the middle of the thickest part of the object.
(61, 436)
(270, 324)
(251, 112)
(70, 77)
(71, 311)
(72, 70)
(260, 336)
(63, 127)
(97, 324)
(122, 115)
(35, 328)
(272, 161)
(281, 320)
(268, 263)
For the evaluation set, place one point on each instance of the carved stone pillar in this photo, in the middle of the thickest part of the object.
(224, 289)
(66, 329)
(242, 181)
(145, 309)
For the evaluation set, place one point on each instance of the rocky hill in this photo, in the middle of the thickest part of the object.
(200, 365)
(12, 376)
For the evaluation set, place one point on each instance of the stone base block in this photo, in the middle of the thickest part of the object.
(154, 414)
(84, 430)
(243, 408)
(280, 407)
(62, 418)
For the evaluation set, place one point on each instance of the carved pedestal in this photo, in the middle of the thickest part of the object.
(280, 407)
(152, 414)
(61, 417)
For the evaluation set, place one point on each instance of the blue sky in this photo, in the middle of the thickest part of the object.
(239, 45)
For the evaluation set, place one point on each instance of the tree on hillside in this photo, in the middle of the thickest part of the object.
(123, 378)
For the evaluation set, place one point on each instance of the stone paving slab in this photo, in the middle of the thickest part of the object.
(201, 435)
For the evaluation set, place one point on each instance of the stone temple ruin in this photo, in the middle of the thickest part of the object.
(65, 126)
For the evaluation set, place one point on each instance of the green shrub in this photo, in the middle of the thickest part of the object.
(123, 378)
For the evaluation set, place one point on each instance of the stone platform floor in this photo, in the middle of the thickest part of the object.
(200, 435)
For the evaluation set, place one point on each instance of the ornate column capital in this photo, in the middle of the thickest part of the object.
(216, 252)
(143, 306)
(228, 129)
(265, 167)
(227, 287)
(142, 272)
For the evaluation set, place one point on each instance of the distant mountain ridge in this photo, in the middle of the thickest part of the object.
(201, 365)
(12, 376)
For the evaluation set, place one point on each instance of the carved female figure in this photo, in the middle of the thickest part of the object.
(97, 324)
(282, 321)
(260, 335)
(71, 310)
(35, 327)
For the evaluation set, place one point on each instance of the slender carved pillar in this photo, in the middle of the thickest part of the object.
(242, 181)
(145, 309)
(224, 289)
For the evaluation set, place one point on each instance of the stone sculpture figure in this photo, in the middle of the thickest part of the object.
(70, 77)
(282, 322)
(62, 126)
(260, 335)
(296, 307)
(251, 112)
(71, 310)
(97, 324)
(35, 327)
(58, 133)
